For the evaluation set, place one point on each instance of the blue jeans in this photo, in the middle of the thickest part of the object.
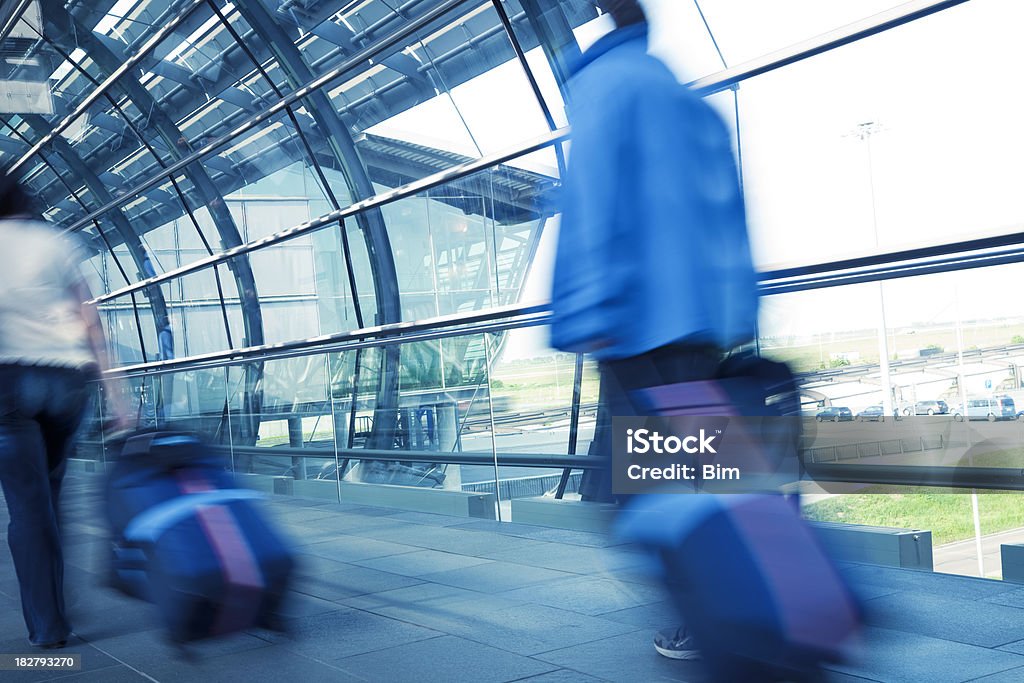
(40, 410)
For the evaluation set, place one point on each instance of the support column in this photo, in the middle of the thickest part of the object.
(446, 433)
(296, 440)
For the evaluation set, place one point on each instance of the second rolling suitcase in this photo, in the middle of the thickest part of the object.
(188, 540)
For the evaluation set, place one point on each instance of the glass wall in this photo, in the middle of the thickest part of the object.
(283, 175)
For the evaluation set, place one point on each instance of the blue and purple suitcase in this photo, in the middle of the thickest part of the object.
(187, 539)
(754, 587)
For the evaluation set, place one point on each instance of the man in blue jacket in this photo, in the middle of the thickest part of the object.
(653, 274)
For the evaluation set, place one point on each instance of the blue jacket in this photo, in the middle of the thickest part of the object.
(653, 246)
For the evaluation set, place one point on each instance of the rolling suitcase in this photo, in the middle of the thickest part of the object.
(186, 539)
(756, 591)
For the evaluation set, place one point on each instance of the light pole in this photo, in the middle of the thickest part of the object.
(965, 412)
(863, 132)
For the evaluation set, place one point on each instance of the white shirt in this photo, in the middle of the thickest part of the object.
(40, 317)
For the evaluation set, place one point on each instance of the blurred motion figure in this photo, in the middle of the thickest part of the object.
(653, 272)
(51, 346)
(654, 278)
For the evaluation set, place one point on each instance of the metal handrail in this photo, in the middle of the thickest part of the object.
(492, 320)
(548, 460)
(412, 189)
(985, 478)
(844, 35)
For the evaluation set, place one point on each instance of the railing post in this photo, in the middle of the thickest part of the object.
(296, 440)
(574, 422)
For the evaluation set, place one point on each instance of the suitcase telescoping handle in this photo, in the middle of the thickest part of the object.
(150, 524)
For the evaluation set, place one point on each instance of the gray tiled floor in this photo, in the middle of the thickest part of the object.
(383, 595)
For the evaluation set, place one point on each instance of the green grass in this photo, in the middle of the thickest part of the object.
(810, 356)
(947, 515)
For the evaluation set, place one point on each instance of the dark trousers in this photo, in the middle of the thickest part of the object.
(619, 378)
(40, 410)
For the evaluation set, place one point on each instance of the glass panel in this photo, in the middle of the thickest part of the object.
(545, 31)
(951, 350)
(284, 424)
(441, 394)
(89, 444)
(868, 163)
(123, 335)
(268, 162)
(746, 29)
(194, 400)
(130, 21)
(426, 97)
(532, 392)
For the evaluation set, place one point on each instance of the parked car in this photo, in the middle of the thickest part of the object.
(992, 408)
(931, 408)
(835, 414)
(876, 413)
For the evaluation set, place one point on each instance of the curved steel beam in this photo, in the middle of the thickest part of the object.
(554, 33)
(161, 316)
(99, 230)
(66, 28)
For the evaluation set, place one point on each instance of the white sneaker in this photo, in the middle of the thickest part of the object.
(674, 643)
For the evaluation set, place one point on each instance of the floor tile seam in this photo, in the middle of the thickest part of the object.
(612, 611)
(425, 545)
(1011, 642)
(434, 577)
(348, 565)
(301, 656)
(916, 591)
(540, 655)
(831, 667)
(288, 644)
(992, 673)
(342, 538)
(286, 518)
(448, 600)
(992, 601)
(115, 657)
(496, 539)
(542, 673)
(346, 529)
(482, 561)
(362, 595)
(491, 644)
(435, 634)
(891, 627)
(367, 559)
(536, 566)
(531, 655)
(555, 582)
(69, 674)
(998, 586)
(336, 663)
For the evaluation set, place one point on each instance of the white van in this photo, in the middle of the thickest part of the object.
(992, 408)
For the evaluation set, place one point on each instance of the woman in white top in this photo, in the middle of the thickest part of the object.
(51, 347)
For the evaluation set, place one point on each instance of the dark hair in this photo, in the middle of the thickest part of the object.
(624, 12)
(14, 201)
